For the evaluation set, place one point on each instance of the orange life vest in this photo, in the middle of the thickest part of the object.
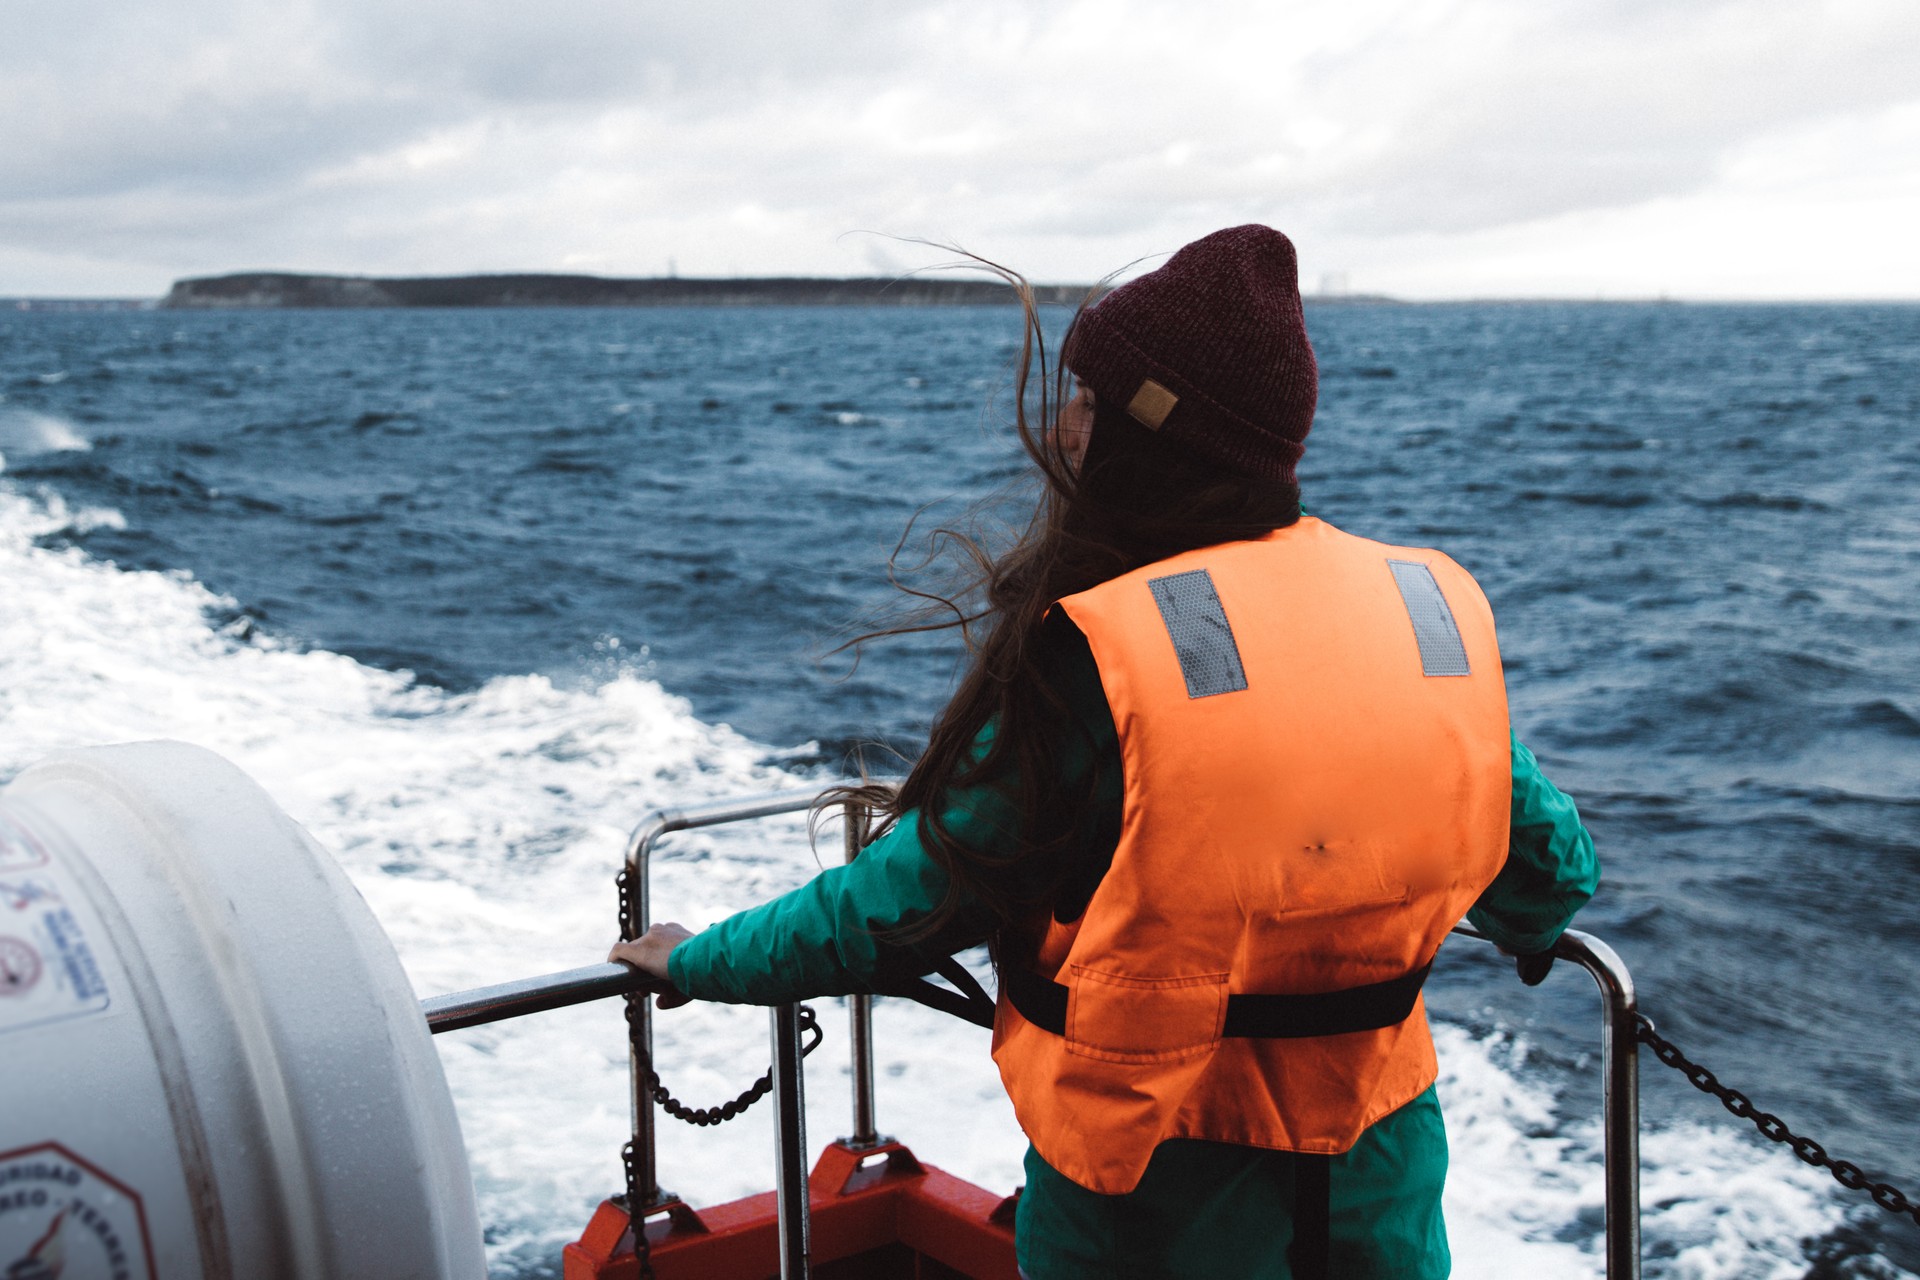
(1313, 729)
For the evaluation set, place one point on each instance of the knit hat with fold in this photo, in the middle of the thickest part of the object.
(1210, 350)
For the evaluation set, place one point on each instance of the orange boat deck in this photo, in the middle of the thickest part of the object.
(877, 1214)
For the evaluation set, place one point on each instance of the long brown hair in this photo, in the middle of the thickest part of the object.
(1134, 498)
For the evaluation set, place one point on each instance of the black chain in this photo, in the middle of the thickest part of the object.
(1772, 1127)
(637, 1227)
(809, 1024)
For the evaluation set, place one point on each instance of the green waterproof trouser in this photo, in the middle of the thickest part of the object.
(1209, 1209)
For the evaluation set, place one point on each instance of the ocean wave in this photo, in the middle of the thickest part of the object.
(1749, 501)
(1887, 716)
(1525, 1190)
(24, 433)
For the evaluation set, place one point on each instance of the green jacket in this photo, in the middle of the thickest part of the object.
(1203, 1208)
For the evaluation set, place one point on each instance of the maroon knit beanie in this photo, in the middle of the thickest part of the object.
(1210, 350)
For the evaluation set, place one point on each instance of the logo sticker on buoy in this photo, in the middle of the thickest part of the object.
(62, 1216)
(19, 851)
(50, 967)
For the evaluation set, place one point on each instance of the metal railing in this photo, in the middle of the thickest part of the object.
(790, 1123)
(519, 998)
(1619, 1045)
(1619, 1091)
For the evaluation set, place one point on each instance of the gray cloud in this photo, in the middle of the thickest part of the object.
(1618, 107)
(199, 135)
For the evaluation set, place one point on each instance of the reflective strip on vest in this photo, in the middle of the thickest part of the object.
(1317, 831)
(1209, 659)
(1441, 653)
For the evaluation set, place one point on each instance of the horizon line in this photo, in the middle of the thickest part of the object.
(22, 301)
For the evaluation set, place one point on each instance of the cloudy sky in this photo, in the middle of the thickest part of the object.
(1423, 148)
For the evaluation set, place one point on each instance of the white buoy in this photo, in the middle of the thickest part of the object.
(211, 1064)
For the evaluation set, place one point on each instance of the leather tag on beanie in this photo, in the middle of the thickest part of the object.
(1151, 404)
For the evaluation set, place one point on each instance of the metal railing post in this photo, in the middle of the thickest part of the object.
(860, 1014)
(790, 1144)
(646, 1167)
(1620, 1049)
(1620, 1091)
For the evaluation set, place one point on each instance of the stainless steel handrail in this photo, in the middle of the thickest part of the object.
(530, 995)
(1619, 1043)
(1620, 1091)
(866, 1134)
(791, 1198)
(639, 857)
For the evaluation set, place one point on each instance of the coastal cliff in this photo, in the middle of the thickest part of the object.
(280, 289)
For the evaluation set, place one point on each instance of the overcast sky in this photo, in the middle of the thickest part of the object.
(1423, 148)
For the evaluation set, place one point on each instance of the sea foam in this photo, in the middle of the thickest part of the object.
(24, 433)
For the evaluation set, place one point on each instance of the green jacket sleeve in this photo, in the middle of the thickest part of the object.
(1551, 869)
(829, 937)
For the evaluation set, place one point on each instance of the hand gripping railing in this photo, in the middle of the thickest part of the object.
(1619, 1045)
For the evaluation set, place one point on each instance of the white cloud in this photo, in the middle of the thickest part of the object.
(1420, 146)
(1814, 212)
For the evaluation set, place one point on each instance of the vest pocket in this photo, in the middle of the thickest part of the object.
(1122, 1019)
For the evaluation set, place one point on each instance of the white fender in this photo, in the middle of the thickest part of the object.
(211, 1063)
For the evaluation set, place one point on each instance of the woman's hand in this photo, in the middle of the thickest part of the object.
(648, 953)
(1531, 966)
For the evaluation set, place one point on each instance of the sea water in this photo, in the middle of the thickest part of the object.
(471, 592)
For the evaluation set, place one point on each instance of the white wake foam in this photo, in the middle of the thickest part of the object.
(24, 433)
(484, 829)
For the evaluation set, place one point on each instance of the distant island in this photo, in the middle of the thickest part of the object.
(288, 289)
(77, 304)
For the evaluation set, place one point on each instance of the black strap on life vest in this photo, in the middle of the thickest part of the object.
(970, 1002)
(1308, 1257)
(1043, 1002)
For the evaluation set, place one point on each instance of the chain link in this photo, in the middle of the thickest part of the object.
(809, 1024)
(1772, 1127)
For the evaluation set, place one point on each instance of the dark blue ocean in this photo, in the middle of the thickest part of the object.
(1699, 527)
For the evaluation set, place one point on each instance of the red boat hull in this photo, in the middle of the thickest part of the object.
(877, 1213)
